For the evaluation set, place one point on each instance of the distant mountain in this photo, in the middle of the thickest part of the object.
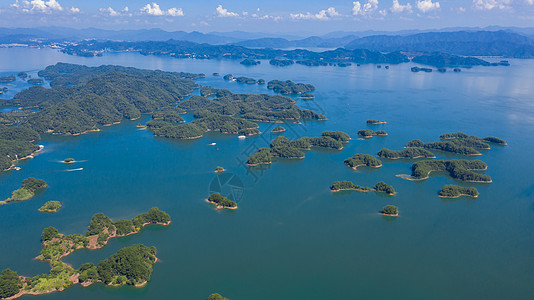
(310, 42)
(472, 43)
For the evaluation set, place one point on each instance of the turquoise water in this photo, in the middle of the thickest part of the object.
(291, 238)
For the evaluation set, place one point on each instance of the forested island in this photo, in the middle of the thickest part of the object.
(250, 62)
(375, 122)
(359, 160)
(454, 191)
(288, 87)
(390, 211)
(221, 202)
(17, 143)
(281, 62)
(278, 129)
(282, 147)
(381, 187)
(51, 207)
(459, 143)
(367, 133)
(458, 169)
(216, 296)
(26, 191)
(410, 153)
(129, 266)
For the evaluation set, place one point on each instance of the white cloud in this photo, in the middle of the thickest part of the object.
(324, 14)
(113, 13)
(399, 8)
(494, 4)
(427, 5)
(367, 8)
(74, 10)
(154, 10)
(37, 6)
(223, 12)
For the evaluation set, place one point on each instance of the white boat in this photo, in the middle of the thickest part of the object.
(213, 144)
(241, 137)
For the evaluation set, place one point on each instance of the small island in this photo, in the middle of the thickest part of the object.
(246, 80)
(228, 77)
(51, 207)
(250, 62)
(410, 153)
(219, 169)
(339, 186)
(35, 81)
(278, 129)
(139, 259)
(307, 97)
(221, 202)
(27, 191)
(460, 169)
(216, 296)
(281, 62)
(69, 160)
(359, 160)
(7, 79)
(454, 191)
(288, 87)
(390, 211)
(375, 122)
(383, 187)
(367, 133)
(22, 75)
(261, 81)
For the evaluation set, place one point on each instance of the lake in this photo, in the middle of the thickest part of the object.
(291, 238)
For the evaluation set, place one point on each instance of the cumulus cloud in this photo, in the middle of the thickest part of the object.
(493, 4)
(324, 14)
(399, 8)
(41, 6)
(427, 5)
(154, 10)
(223, 12)
(367, 8)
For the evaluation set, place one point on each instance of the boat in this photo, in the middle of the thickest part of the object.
(241, 137)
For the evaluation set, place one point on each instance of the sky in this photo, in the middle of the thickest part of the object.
(281, 16)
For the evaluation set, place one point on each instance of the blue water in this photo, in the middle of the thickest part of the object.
(291, 238)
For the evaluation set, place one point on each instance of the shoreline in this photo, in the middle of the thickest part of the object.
(357, 190)
(456, 197)
(389, 215)
(355, 168)
(411, 178)
(416, 157)
(220, 206)
(263, 163)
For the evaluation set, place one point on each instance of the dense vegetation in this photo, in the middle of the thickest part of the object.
(262, 156)
(6, 79)
(405, 153)
(16, 143)
(216, 296)
(367, 133)
(250, 62)
(454, 191)
(289, 87)
(281, 62)
(221, 201)
(131, 265)
(384, 188)
(278, 129)
(458, 169)
(390, 210)
(10, 283)
(362, 160)
(82, 98)
(27, 191)
(51, 207)
(348, 186)
(338, 136)
(459, 143)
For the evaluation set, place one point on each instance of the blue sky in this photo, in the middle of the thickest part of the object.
(302, 16)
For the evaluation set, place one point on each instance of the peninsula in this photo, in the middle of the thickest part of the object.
(27, 191)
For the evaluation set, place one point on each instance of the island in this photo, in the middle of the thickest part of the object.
(410, 153)
(339, 186)
(359, 160)
(375, 122)
(278, 129)
(417, 69)
(384, 188)
(16, 143)
(216, 296)
(228, 77)
(454, 191)
(7, 79)
(281, 62)
(219, 169)
(51, 207)
(35, 81)
(459, 143)
(367, 133)
(250, 62)
(390, 211)
(246, 80)
(27, 191)
(282, 147)
(216, 74)
(307, 97)
(261, 81)
(288, 87)
(22, 75)
(69, 160)
(459, 169)
(221, 202)
(311, 63)
(139, 259)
